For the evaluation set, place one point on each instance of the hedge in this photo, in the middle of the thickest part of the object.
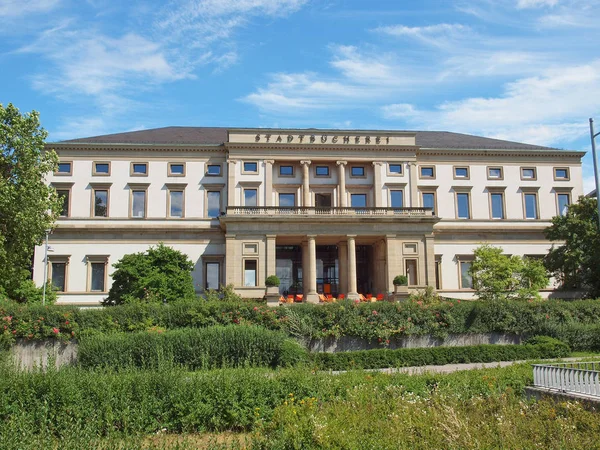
(539, 347)
(204, 348)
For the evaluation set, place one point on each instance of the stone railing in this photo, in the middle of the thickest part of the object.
(326, 211)
(578, 378)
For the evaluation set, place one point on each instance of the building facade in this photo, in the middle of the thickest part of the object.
(328, 211)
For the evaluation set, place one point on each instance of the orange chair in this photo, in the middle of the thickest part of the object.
(299, 298)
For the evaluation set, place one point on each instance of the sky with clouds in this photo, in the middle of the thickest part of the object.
(524, 70)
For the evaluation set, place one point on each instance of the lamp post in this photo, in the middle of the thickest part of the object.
(593, 136)
(45, 268)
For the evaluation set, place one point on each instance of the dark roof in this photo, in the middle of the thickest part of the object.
(217, 136)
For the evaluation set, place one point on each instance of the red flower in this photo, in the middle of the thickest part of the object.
(66, 322)
(547, 316)
(375, 313)
(457, 301)
(55, 330)
(256, 308)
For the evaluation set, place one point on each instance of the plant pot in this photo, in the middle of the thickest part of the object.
(401, 289)
(273, 290)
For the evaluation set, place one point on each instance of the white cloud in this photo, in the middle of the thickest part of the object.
(524, 4)
(589, 184)
(439, 35)
(15, 8)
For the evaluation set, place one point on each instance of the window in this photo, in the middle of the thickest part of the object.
(462, 205)
(531, 211)
(176, 169)
(528, 173)
(63, 196)
(250, 167)
(563, 201)
(138, 203)
(213, 170)
(396, 198)
(250, 275)
(466, 281)
(287, 200)
(461, 172)
(250, 248)
(250, 197)
(176, 199)
(438, 272)
(139, 169)
(97, 273)
(101, 169)
(100, 206)
(495, 173)
(395, 169)
(213, 200)
(212, 275)
(497, 205)
(322, 200)
(59, 274)
(427, 172)
(357, 171)
(64, 168)
(411, 271)
(286, 171)
(561, 173)
(428, 200)
(322, 171)
(358, 200)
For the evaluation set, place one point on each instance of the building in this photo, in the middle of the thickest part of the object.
(328, 211)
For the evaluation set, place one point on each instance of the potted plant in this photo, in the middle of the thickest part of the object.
(401, 284)
(272, 284)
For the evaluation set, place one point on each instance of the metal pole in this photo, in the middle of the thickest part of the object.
(593, 136)
(45, 269)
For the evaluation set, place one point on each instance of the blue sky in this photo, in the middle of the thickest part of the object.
(524, 70)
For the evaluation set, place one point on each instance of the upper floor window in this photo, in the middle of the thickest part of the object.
(139, 169)
(428, 200)
(461, 172)
(213, 170)
(176, 169)
(563, 201)
(63, 195)
(250, 167)
(59, 275)
(101, 168)
(396, 198)
(427, 172)
(561, 173)
(531, 206)
(358, 200)
(462, 205)
(395, 169)
(138, 203)
(497, 205)
(322, 171)
(286, 171)
(495, 173)
(100, 200)
(528, 173)
(64, 168)
(287, 200)
(176, 202)
(213, 201)
(357, 171)
(250, 197)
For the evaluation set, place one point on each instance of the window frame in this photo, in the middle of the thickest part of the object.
(395, 174)
(317, 175)
(365, 194)
(291, 166)
(466, 177)
(64, 174)
(432, 191)
(566, 169)
(392, 189)
(137, 174)
(59, 259)
(427, 177)
(469, 204)
(364, 172)
(96, 259)
(460, 261)
(256, 274)
(176, 187)
(534, 178)
(100, 187)
(95, 172)
(250, 188)
(500, 168)
(64, 187)
(524, 193)
(206, 260)
(137, 187)
(559, 192)
(170, 170)
(438, 275)
(416, 278)
(280, 193)
(208, 166)
(213, 188)
(249, 172)
(492, 190)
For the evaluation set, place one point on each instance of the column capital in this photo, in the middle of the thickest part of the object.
(271, 236)
(232, 161)
(341, 163)
(311, 236)
(306, 162)
(351, 236)
(269, 161)
(377, 163)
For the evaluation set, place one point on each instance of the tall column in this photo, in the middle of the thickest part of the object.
(269, 182)
(429, 260)
(343, 267)
(414, 194)
(394, 261)
(305, 183)
(311, 296)
(342, 183)
(231, 182)
(271, 255)
(305, 268)
(352, 290)
(377, 183)
(231, 261)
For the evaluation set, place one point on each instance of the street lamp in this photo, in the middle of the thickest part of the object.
(593, 136)
(45, 267)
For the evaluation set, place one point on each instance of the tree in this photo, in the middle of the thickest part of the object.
(575, 264)
(28, 207)
(497, 276)
(162, 274)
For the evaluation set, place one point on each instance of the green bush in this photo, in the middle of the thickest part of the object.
(205, 348)
(541, 347)
(400, 280)
(272, 280)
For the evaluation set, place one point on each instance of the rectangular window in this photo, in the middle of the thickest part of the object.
(466, 281)
(428, 200)
(97, 276)
(101, 168)
(322, 171)
(395, 169)
(59, 271)
(427, 172)
(411, 271)
(139, 169)
(357, 171)
(287, 200)
(175, 203)
(495, 173)
(213, 200)
(63, 196)
(461, 172)
(250, 275)
(438, 273)
(213, 170)
(462, 205)
(561, 173)
(358, 200)
(563, 203)
(286, 171)
(176, 169)
(213, 275)
(396, 198)
(250, 197)
(138, 204)
(531, 206)
(528, 173)
(64, 168)
(497, 200)
(323, 200)
(100, 203)
(251, 167)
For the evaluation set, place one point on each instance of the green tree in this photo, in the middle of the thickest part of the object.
(574, 264)
(497, 276)
(161, 274)
(28, 206)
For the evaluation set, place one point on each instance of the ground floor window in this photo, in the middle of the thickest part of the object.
(97, 273)
(250, 272)
(466, 281)
(212, 275)
(411, 271)
(59, 271)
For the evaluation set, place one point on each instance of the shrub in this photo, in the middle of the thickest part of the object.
(28, 292)
(160, 274)
(272, 280)
(400, 280)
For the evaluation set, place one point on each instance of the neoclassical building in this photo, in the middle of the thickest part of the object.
(328, 211)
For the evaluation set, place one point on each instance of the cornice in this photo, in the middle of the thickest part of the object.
(253, 146)
(499, 152)
(135, 147)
